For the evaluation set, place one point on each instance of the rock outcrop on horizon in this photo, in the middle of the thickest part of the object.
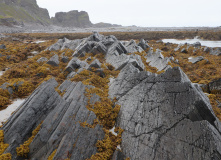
(72, 19)
(28, 13)
(105, 25)
(163, 116)
(22, 12)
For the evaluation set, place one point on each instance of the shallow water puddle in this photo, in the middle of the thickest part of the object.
(6, 113)
(191, 41)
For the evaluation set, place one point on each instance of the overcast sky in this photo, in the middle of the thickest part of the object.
(147, 13)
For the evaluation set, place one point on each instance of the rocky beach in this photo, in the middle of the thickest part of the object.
(71, 89)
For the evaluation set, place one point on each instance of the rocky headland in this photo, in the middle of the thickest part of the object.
(27, 16)
(102, 98)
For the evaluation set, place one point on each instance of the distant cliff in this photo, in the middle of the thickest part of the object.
(19, 12)
(72, 19)
(27, 12)
(105, 25)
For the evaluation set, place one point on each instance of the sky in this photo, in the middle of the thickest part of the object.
(144, 13)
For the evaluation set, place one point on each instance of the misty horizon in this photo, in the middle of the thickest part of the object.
(143, 13)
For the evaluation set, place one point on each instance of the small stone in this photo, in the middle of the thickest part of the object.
(184, 50)
(42, 59)
(196, 59)
(54, 61)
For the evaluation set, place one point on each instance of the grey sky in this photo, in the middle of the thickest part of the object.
(147, 13)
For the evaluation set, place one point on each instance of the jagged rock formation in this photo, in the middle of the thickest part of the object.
(216, 52)
(115, 51)
(164, 116)
(19, 12)
(72, 19)
(60, 129)
(156, 59)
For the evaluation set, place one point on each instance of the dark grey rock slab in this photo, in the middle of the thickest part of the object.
(165, 117)
(196, 59)
(54, 60)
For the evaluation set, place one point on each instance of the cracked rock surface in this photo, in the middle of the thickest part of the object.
(61, 127)
(156, 59)
(165, 117)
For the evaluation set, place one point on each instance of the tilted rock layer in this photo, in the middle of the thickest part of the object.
(164, 116)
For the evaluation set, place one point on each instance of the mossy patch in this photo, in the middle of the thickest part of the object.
(23, 149)
(3, 147)
(52, 155)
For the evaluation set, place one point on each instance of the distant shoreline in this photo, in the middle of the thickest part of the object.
(122, 33)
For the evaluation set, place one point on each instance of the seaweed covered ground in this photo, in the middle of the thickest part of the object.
(26, 64)
(147, 35)
(21, 55)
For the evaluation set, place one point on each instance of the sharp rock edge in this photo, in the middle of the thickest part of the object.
(164, 117)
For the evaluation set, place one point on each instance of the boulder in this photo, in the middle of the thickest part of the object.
(197, 44)
(2, 46)
(125, 79)
(132, 47)
(74, 64)
(196, 59)
(164, 116)
(4, 86)
(100, 72)
(70, 44)
(206, 49)
(57, 46)
(143, 44)
(138, 61)
(64, 59)
(176, 49)
(54, 60)
(109, 40)
(119, 62)
(216, 52)
(84, 47)
(97, 48)
(215, 86)
(8, 57)
(95, 64)
(157, 60)
(117, 48)
(42, 59)
(183, 50)
(71, 75)
(96, 37)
